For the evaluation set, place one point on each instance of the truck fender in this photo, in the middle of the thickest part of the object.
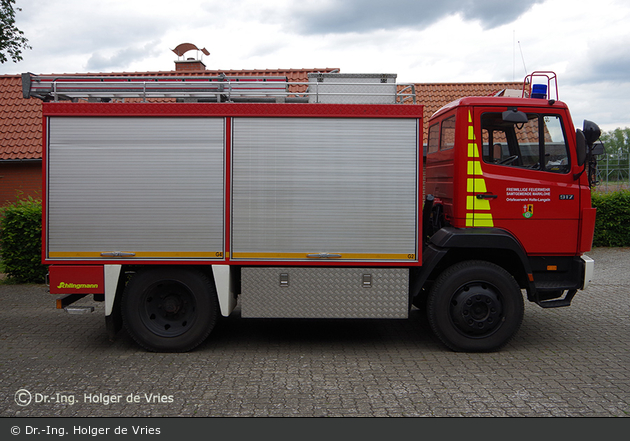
(449, 238)
(112, 276)
(222, 279)
(114, 284)
(225, 292)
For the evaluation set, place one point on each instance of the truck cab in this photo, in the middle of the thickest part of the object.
(516, 166)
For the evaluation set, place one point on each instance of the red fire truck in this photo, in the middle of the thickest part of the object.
(310, 204)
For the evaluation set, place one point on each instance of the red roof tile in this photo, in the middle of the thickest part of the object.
(435, 95)
(20, 122)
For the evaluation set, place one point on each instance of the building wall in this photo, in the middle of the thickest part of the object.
(20, 179)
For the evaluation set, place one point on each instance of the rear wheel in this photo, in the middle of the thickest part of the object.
(475, 306)
(169, 310)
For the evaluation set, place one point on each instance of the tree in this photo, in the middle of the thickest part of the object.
(615, 164)
(12, 40)
(617, 142)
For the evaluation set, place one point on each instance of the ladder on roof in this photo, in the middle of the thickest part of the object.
(55, 87)
(219, 88)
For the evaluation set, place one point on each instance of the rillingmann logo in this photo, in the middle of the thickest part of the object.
(78, 285)
(23, 397)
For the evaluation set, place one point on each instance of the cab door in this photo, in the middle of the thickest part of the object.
(529, 189)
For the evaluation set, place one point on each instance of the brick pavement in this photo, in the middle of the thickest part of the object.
(564, 362)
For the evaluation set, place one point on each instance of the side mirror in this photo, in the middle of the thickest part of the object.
(592, 132)
(580, 147)
(513, 115)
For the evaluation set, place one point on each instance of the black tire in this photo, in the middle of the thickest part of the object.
(475, 306)
(169, 309)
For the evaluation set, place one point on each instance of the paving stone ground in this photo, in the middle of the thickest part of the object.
(564, 362)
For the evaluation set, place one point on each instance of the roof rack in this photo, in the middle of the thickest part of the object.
(73, 86)
(338, 88)
(540, 90)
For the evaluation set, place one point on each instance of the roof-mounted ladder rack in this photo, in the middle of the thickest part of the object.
(219, 88)
(110, 87)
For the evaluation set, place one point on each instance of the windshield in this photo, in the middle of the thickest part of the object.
(538, 144)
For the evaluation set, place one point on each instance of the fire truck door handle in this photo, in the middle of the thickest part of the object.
(487, 196)
(323, 256)
(117, 254)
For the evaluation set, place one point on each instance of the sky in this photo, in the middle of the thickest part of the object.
(586, 43)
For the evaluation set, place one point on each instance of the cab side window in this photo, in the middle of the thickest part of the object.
(433, 143)
(447, 138)
(538, 144)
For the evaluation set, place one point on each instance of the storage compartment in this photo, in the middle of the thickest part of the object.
(325, 292)
(352, 88)
(136, 187)
(325, 189)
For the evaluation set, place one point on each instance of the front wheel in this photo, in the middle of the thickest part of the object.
(475, 306)
(169, 309)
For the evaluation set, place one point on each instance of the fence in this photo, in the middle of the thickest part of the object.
(613, 172)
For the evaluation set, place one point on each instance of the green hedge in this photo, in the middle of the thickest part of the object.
(21, 241)
(612, 227)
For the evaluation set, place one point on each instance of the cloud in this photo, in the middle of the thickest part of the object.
(609, 63)
(122, 58)
(322, 17)
(99, 34)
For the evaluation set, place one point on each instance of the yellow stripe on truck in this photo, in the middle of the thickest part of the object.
(139, 255)
(476, 184)
(479, 220)
(344, 256)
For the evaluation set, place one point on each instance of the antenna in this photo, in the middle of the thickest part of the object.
(513, 55)
(523, 58)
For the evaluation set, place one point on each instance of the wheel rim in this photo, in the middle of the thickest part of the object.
(476, 309)
(168, 308)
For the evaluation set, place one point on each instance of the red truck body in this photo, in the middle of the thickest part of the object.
(173, 212)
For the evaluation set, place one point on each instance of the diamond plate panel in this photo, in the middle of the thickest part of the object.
(324, 293)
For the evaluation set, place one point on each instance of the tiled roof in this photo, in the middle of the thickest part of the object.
(20, 119)
(291, 74)
(435, 95)
(20, 122)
